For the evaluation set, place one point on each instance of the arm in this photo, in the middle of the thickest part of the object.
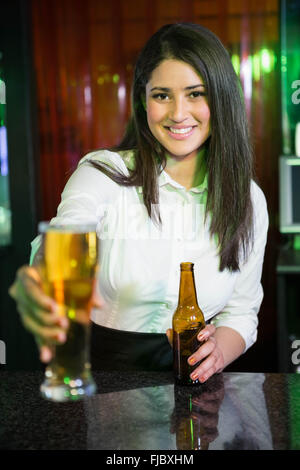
(38, 312)
(234, 330)
(231, 344)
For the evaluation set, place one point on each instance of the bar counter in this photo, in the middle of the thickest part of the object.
(146, 411)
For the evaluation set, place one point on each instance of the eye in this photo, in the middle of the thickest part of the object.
(160, 96)
(197, 94)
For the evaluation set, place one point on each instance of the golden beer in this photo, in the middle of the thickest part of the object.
(68, 271)
(188, 320)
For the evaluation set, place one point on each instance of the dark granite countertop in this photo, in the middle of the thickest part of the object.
(144, 410)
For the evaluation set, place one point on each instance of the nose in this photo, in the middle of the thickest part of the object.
(178, 110)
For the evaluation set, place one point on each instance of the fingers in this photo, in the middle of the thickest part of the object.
(208, 396)
(210, 358)
(169, 334)
(28, 282)
(206, 332)
(203, 335)
(46, 351)
(208, 348)
(46, 354)
(208, 402)
(43, 333)
(38, 312)
(205, 349)
(27, 305)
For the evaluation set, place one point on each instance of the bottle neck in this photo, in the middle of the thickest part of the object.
(187, 290)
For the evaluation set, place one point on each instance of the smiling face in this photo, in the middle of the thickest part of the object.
(177, 111)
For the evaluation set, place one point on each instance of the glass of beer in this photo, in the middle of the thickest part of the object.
(68, 268)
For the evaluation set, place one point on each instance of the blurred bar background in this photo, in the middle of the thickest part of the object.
(67, 67)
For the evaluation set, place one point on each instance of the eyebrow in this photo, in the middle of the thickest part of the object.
(169, 89)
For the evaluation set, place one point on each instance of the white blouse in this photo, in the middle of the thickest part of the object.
(140, 261)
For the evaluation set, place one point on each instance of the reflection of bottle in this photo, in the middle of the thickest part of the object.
(188, 320)
(190, 430)
(189, 435)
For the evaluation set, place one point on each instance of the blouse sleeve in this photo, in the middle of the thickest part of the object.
(241, 312)
(84, 197)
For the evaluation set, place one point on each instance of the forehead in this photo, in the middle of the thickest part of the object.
(174, 73)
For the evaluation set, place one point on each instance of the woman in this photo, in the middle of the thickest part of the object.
(178, 188)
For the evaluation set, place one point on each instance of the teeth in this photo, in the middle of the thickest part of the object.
(181, 131)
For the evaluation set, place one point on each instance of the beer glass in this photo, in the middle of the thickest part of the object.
(68, 267)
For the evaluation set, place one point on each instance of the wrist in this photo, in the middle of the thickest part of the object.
(230, 344)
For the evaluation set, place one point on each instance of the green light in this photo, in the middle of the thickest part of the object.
(265, 60)
(236, 63)
(268, 60)
(67, 380)
(192, 432)
(116, 78)
(297, 242)
(256, 67)
(71, 313)
(273, 59)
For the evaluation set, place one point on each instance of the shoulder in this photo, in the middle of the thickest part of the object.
(260, 208)
(120, 161)
(90, 180)
(257, 195)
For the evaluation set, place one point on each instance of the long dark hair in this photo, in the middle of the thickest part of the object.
(228, 149)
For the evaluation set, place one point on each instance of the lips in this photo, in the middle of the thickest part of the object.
(180, 133)
(182, 130)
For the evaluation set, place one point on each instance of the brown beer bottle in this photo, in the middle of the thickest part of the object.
(188, 320)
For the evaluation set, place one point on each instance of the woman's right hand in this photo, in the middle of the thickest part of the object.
(38, 312)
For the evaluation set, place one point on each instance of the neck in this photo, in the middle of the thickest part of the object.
(187, 291)
(188, 171)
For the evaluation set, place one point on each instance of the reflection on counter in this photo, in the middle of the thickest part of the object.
(228, 412)
(196, 414)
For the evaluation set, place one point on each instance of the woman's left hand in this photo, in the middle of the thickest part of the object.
(209, 353)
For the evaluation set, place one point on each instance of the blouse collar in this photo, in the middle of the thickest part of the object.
(165, 179)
